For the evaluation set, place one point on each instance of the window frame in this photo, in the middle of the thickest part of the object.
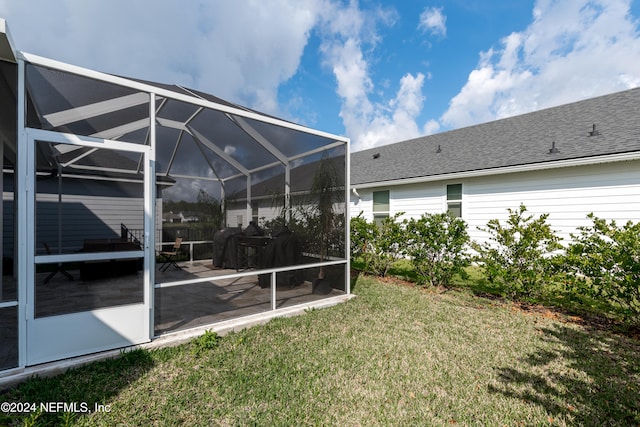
(380, 214)
(453, 199)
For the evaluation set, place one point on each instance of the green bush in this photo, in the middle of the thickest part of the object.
(379, 246)
(386, 247)
(436, 244)
(604, 260)
(362, 236)
(519, 253)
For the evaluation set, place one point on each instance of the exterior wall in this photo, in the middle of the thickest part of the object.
(413, 200)
(266, 212)
(609, 190)
(86, 217)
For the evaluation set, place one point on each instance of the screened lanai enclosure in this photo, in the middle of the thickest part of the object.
(133, 210)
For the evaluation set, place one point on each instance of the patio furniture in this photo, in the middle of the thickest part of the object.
(239, 249)
(100, 269)
(249, 246)
(168, 257)
(58, 269)
(224, 248)
(251, 250)
(283, 249)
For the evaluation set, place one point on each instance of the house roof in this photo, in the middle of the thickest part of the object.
(516, 141)
(301, 178)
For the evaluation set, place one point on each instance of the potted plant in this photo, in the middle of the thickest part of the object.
(326, 190)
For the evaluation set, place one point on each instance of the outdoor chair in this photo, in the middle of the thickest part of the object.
(169, 257)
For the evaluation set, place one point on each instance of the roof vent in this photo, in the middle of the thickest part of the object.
(439, 150)
(594, 131)
(376, 155)
(553, 149)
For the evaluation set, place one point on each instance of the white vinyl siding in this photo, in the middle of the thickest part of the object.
(86, 217)
(415, 200)
(610, 190)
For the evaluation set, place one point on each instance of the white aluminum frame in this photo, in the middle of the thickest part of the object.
(24, 204)
(106, 328)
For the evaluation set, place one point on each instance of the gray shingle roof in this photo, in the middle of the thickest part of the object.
(301, 180)
(514, 141)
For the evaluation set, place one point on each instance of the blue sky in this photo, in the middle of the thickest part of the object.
(376, 71)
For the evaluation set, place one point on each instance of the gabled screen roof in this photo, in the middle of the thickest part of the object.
(197, 134)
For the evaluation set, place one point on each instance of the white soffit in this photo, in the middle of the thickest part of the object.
(6, 44)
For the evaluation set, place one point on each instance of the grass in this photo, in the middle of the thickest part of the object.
(557, 295)
(395, 355)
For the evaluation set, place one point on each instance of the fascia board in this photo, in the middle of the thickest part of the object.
(505, 170)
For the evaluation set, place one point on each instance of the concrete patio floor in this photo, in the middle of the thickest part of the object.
(179, 307)
(188, 306)
(181, 312)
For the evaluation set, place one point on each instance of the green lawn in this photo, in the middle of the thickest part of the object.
(395, 355)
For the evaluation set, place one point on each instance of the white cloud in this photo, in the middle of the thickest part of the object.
(433, 21)
(230, 150)
(351, 35)
(354, 84)
(216, 47)
(222, 48)
(573, 49)
(369, 124)
(395, 121)
(431, 127)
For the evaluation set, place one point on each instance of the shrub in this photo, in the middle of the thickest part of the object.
(362, 235)
(386, 247)
(520, 256)
(604, 259)
(378, 246)
(436, 244)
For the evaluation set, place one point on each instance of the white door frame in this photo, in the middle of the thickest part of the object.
(67, 335)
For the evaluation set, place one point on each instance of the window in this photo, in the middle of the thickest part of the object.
(454, 200)
(380, 206)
